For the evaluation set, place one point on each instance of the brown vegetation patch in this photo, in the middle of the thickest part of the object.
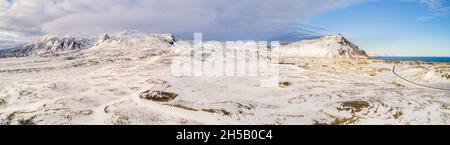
(2, 101)
(374, 71)
(443, 71)
(248, 107)
(222, 111)
(398, 85)
(398, 114)
(284, 84)
(183, 107)
(27, 121)
(344, 121)
(354, 106)
(445, 105)
(158, 96)
(363, 62)
(209, 110)
(225, 112)
(25, 92)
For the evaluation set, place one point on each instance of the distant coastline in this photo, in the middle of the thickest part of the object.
(443, 59)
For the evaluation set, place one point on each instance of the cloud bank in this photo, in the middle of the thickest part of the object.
(8, 44)
(217, 19)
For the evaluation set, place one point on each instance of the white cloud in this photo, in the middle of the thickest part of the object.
(219, 19)
(438, 8)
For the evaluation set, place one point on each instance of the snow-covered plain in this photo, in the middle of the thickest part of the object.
(127, 79)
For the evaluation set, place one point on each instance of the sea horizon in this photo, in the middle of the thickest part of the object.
(444, 59)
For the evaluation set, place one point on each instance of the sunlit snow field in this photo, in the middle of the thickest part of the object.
(131, 82)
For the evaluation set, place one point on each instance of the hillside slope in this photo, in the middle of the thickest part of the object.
(333, 46)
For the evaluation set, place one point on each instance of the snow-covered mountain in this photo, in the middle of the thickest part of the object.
(50, 45)
(129, 78)
(333, 46)
(134, 39)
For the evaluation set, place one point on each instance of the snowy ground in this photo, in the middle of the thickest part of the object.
(118, 86)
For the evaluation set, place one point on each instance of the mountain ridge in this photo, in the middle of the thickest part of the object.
(330, 46)
(51, 45)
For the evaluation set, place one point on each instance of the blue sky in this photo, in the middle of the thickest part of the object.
(405, 27)
(395, 27)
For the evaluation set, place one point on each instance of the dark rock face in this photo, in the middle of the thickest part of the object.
(103, 39)
(106, 37)
(356, 51)
(171, 39)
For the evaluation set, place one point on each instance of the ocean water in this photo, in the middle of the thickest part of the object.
(423, 59)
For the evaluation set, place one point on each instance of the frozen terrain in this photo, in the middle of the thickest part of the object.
(126, 78)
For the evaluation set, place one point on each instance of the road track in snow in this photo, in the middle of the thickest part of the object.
(417, 84)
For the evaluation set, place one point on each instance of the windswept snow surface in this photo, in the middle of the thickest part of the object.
(127, 78)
